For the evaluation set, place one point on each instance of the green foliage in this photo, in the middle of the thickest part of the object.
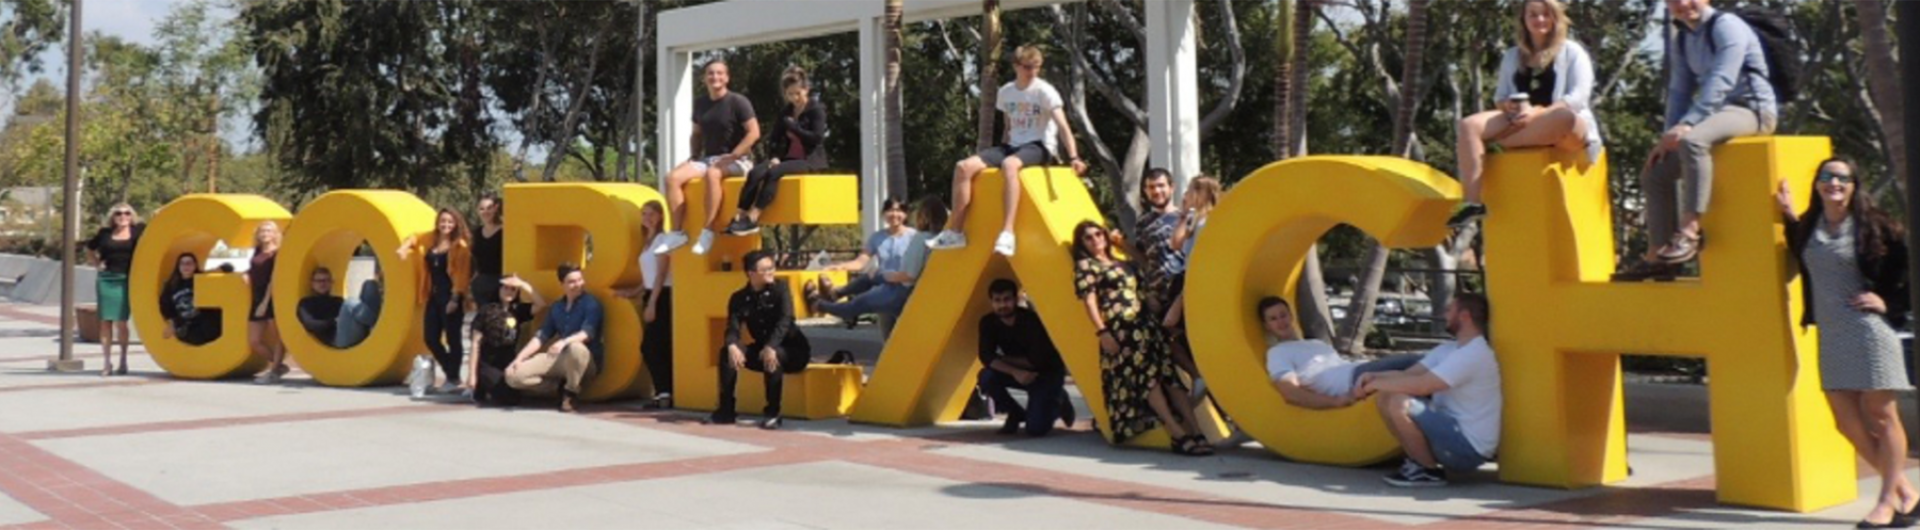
(27, 28)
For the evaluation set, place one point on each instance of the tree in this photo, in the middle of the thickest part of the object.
(27, 28)
(1295, 28)
(1407, 93)
(895, 16)
(367, 94)
(990, 42)
(1883, 80)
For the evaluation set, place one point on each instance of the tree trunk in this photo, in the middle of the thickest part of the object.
(1360, 309)
(1883, 81)
(640, 89)
(895, 130)
(563, 138)
(989, 70)
(1290, 140)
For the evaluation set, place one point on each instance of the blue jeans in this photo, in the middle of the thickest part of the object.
(1445, 438)
(1043, 397)
(1390, 363)
(869, 295)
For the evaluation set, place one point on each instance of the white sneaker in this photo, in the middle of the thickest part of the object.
(669, 241)
(948, 239)
(1003, 245)
(706, 242)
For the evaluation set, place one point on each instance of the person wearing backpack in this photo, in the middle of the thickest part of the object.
(1718, 89)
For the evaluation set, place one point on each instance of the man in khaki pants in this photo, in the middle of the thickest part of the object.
(567, 349)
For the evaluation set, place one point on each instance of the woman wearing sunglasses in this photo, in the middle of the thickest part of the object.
(112, 254)
(1853, 260)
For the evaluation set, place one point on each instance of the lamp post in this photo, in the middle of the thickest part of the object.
(70, 198)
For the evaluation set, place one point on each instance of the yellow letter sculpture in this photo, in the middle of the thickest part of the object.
(701, 289)
(1255, 245)
(328, 231)
(548, 225)
(1558, 328)
(933, 357)
(192, 224)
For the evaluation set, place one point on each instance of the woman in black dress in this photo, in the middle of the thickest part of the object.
(112, 249)
(1142, 388)
(262, 335)
(488, 250)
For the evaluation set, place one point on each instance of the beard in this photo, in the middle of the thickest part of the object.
(1453, 326)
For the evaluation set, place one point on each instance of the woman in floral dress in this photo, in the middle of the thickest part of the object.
(1137, 374)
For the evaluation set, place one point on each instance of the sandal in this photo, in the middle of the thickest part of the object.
(811, 293)
(1648, 270)
(1192, 446)
(1682, 248)
(826, 287)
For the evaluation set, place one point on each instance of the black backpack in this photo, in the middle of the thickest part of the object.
(1783, 53)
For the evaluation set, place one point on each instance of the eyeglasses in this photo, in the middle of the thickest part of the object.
(1835, 178)
(765, 270)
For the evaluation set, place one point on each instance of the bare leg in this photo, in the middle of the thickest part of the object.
(1471, 148)
(106, 348)
(1393, 408)
(677, 193)
(1883, 419)
(1547, 129)
(1010, 171)
(1183, 408)
(126, 341)
(963, 173)
(1157, 400)
(714, 176)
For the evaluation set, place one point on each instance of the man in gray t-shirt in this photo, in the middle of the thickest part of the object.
(1035, 115)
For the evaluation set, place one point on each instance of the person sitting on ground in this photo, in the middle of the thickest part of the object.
(797, 136)
(319, 311)
(724, 131)
(1445, 411)
(568, 349)
(764, 310)
(1544, 93)
(1717, 90)
(1309, 373)
(358, 315)
(880, 283)
(1035, 115)
(186, 322)
(517, 303)
(1017, 353)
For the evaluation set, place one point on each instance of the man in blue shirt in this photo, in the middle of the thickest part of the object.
(1717, 90)
(568, 346)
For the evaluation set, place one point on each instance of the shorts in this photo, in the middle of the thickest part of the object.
(1030, 154)
(739, 167)
(1445, 438)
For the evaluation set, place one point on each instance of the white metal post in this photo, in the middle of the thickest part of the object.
(872, 134)
(1173, 94)
(675, 111)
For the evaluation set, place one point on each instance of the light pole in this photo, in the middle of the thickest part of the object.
(70, 196)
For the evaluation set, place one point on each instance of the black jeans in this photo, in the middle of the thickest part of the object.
(656, 348)
(764, 181)
(1044, 396)
(794, 357)
(443, 324)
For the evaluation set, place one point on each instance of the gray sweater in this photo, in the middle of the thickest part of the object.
(1706, 77)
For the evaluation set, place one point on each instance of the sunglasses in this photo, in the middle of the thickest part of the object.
(1836, 178)
(122, 213)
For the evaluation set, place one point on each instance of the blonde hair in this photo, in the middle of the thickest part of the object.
(135, 214)
(1028, 53)
(1539, 59)
(263, 228)
(1207, 188)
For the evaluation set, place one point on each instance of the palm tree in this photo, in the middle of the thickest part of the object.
(989, 69)
(1360, 309)
(1883, 81)
(896, 135)
(1290, 140)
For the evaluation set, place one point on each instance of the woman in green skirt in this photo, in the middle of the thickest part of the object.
(112, 252)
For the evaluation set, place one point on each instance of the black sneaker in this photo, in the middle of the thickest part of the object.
(1012, 426)
(718, 419)
(1467, 215)
(741, 226)
(772, 424)
(1413, 475)
(1067, 415)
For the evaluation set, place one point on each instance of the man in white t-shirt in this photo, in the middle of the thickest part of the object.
(1309, 373)
(1446, 410)
(1035, 115)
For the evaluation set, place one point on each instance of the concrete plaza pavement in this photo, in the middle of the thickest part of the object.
(148, 451)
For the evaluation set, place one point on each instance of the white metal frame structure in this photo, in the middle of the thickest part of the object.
(1172, 90)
